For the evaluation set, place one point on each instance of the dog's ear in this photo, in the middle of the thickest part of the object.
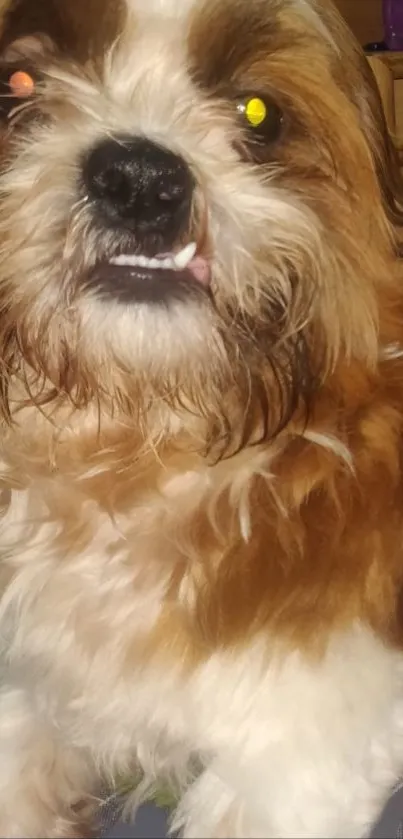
(76, 28)
(32, 48)
(28, 25)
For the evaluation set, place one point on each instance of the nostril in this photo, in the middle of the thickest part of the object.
(111, 183)
(115, 181)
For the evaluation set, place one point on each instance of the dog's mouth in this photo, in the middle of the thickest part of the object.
(130, 277)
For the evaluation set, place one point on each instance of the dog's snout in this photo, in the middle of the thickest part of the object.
(138, 184)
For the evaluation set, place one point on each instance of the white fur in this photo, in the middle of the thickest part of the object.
(391, 351)
(298, 748)
(332, 443)
(175, 9)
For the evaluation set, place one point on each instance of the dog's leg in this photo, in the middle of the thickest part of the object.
(42, 781)
(210, 808)
(214, 809)
(308, 748)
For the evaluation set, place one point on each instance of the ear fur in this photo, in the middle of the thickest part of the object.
(22, 19)
(76, 27)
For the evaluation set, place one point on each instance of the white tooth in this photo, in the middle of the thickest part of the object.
(167, 263)
(122, 259)
(127, 260)
(184, 256)
(131, 260)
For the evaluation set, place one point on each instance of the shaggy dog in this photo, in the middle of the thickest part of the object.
(201, 394)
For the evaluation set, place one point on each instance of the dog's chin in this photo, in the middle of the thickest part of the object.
(158, 325)
(153, 318)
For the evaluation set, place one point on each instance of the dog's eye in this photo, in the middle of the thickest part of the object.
(16, 85)
(263, 118)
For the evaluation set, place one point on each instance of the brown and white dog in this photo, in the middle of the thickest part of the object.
(201, 341)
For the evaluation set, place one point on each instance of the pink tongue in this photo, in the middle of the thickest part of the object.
(200, 269)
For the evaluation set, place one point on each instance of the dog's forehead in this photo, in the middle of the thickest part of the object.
(218, 34)
(75, 22)
(221, 34)
(207, 15)
(180, 9)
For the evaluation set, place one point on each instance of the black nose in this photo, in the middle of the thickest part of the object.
(139, 185)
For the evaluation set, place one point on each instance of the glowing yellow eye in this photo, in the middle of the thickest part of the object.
(262, 117)
(255, 111)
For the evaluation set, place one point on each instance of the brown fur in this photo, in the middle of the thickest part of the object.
(325, 530)
(304, 588)
(80, 32)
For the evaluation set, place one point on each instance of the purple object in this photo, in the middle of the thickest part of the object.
(393, 23)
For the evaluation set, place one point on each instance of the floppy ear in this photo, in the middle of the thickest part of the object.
(22, 19)
(75, 27)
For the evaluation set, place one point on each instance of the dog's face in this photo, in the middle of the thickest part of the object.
(194, 201)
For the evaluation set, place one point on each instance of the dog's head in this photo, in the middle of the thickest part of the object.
(197, 205)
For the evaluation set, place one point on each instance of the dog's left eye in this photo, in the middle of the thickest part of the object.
(262, 117)
(16, 85)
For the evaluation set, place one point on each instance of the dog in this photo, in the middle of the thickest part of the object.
(201, 342)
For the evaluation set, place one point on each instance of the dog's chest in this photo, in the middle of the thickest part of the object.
(86, 600)
(104, 569)
(99, 578)
(81, 614)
